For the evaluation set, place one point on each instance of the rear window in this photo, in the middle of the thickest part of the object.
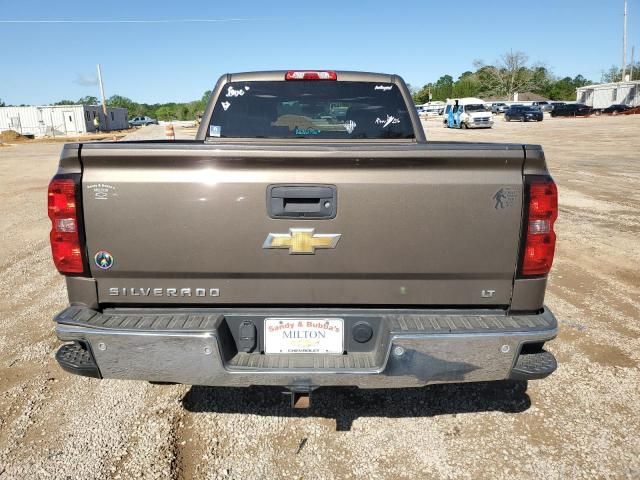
(310, 109)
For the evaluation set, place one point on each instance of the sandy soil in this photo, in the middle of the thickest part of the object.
(582, 422)
(9, 138)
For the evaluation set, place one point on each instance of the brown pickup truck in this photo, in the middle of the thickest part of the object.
(310, 236)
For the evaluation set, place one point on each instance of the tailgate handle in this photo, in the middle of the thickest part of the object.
(301, 201)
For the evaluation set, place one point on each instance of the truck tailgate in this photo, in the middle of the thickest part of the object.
(435, 224)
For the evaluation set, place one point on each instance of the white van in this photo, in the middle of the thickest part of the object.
(467, 112)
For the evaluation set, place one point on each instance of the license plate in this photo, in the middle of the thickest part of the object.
(303, 335)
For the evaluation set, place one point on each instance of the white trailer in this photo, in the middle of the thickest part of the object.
(55, 120)
(605, 94)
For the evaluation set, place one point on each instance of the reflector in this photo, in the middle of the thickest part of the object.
(539, 226)
(65, 225)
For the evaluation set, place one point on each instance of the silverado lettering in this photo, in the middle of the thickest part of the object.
(161, 292)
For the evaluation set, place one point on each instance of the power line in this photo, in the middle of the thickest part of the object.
(172, 20)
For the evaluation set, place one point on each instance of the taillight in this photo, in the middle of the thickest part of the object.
(539, 237)
(65, 235)
(311, 75)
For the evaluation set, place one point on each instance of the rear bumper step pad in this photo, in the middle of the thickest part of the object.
(75, 358)
(414, 348)
(532, 366)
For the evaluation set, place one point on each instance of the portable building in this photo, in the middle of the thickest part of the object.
(605, 94)
(61, 119)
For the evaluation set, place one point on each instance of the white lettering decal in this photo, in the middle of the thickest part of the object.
(114, 291)
(232, 92)
(101, 191)
(185, 292)
(385, 123)
(214, 292)
(171, 292)
(201, 292)
(350, 126)
(384, 88)
(225, 105)
(157, 292)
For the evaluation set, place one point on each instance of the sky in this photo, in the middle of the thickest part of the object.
(157, 57)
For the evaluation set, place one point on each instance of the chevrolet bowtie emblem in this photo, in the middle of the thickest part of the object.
(301, 240)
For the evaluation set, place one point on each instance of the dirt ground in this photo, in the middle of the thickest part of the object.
(10, 137)
(582, 422)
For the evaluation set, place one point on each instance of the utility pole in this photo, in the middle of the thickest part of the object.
(624, 43)
(104, 102)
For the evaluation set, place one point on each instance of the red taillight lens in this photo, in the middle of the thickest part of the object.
(311, 75)
(540, 239)
(65, 238)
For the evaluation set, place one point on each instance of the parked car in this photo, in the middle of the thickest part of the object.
(142, 121)
(542, 105)
(499, 107)
(571, 110)
(523, 114)
(293, 285)
(556, 104)
(431, 110)
(615, 109)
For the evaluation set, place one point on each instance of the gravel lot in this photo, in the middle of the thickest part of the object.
(582, 422)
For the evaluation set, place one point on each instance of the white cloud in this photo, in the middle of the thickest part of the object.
(86, 80)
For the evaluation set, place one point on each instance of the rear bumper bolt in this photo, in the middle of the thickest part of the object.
(505, 348)
(398, 351)
(102, 346)
(207, 350)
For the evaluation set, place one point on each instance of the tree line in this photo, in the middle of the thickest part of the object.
(160, 111)
(510, 74)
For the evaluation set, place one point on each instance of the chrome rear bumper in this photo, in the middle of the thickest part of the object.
(412, 348)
